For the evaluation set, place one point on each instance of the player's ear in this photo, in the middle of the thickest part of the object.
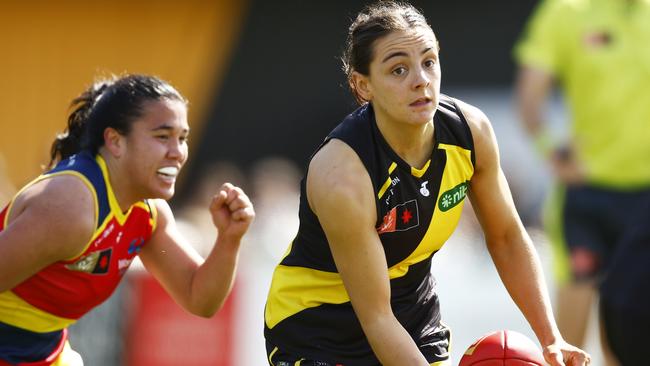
(114, 142)
(361, 85)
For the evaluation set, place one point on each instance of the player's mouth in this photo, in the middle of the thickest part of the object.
(168, 173)
(421, 102)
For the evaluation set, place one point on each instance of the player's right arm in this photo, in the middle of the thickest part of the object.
(51, 220)
(534, 84)
(533, 87)
(340, 193)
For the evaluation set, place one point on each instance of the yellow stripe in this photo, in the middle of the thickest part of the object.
(392, 167)
(286, 253)
(294, 289)
(154, 215)
(420, 172)
(297, 363)
(271, 356)
(456, 148)
(112, 200)
(383, 189)
(441, 363)
(116, 211)
(18, 313)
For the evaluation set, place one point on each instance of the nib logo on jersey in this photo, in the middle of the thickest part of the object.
(453, 197)
(95, 262)
(400, 218)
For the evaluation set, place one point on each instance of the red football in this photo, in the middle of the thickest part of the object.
(503, 348)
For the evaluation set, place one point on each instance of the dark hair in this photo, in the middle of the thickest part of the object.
(115, 102)
(373, 22)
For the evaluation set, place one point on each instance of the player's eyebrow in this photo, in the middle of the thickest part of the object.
(402, 53)
(166, 127)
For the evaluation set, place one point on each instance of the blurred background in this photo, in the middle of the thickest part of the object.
(265, 86)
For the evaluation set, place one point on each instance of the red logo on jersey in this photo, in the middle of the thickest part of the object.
(408, 218)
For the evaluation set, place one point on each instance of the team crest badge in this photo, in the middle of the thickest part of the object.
(96, 262)
(400, 218)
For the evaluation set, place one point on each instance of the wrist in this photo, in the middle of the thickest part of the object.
(228, 243)
(553, 337)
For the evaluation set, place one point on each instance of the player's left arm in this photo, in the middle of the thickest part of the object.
(510, 246)
(200, 286)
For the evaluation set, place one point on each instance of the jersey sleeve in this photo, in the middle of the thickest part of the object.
(542, 42)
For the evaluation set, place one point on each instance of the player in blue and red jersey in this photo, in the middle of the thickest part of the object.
(67, 237)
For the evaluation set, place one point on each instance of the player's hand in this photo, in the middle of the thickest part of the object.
(566, 166)
(564, 354)
(232, 212)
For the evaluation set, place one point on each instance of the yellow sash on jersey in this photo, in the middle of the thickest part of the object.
(19, 313)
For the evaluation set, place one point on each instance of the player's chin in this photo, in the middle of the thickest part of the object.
(421, 117)
(163, 193)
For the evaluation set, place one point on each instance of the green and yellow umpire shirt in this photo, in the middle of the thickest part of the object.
(599, 51)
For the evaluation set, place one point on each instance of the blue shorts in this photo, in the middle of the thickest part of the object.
(595, 219)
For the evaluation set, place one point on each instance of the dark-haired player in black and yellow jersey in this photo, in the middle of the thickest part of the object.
(382, 195)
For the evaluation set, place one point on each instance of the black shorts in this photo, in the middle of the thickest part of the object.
(595, 219)
(625, 293)
(436, 351)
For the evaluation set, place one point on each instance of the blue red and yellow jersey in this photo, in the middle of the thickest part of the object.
(37, 310)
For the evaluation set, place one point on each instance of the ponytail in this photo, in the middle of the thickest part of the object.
(71, 141)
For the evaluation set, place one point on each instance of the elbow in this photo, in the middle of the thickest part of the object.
(207, 310)
(494, 245)
(207, 314)
(204, 313)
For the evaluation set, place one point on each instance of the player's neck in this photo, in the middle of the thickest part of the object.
(413, 143)
(120, 185)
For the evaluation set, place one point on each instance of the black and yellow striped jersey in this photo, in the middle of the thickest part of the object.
(308, 311)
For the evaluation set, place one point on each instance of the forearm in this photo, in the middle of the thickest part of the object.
(213, 280)
(391, 343)
(532, 89)
(520, 270)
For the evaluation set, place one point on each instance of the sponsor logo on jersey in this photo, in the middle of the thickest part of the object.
(136, 245)
(452, 197)
(96, 262)
(424, 190)
(400, 218)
